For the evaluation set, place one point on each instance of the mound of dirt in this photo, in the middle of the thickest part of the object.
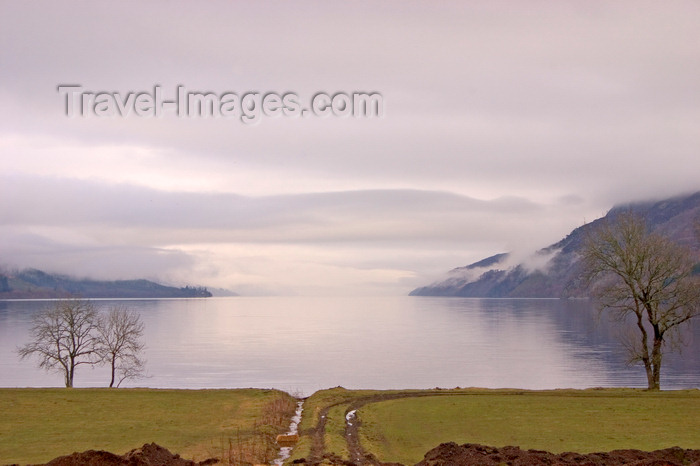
(148, 455)
(473, 454)
(446, 454)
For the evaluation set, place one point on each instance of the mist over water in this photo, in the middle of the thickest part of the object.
(303, 344)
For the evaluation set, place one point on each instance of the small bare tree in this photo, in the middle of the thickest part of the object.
(646, 276)
(119, 344)
(63, 337)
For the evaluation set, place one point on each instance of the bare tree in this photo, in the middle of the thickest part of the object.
(648, 277)
(63, 337)
(119, 334)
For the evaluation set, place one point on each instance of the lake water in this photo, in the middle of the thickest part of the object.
(302, 344)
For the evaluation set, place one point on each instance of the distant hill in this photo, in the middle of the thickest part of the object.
(35, 284)
(554, 272)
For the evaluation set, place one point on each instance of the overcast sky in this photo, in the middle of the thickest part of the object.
(505, 126)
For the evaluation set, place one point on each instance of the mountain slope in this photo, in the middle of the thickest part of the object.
(554, 271)
(35, 284)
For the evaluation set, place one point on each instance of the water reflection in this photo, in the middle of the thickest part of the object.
(305, 344)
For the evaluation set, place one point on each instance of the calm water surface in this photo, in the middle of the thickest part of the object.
(305, 344)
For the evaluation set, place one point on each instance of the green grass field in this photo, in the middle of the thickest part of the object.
(37, 425)
(584, 421)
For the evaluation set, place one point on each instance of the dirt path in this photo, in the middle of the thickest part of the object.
(352, 428)
(357, 454)
(317, 433)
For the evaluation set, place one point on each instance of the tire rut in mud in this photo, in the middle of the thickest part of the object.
(357, 453)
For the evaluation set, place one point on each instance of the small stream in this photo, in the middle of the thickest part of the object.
(285, 452)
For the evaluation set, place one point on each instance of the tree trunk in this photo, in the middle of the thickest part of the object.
(66, 372)
(69, 375)
(656, 363)
(644, 356)
(114, 362)
(652, 384)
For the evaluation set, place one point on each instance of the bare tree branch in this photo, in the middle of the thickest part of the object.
(647, 276)
(63, 337)
(119, 344)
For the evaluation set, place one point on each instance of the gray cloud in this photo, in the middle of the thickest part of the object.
(349, 216)
(22, 249)
(506, 125)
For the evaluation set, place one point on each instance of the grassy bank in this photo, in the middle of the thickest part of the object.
(403, 430)
(38, 425)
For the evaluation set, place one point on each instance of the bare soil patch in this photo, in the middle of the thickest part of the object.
(148, 455)
(446, 454)
(474, 454)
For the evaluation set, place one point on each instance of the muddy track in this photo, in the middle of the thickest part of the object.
(317, 433)
(357, 454)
